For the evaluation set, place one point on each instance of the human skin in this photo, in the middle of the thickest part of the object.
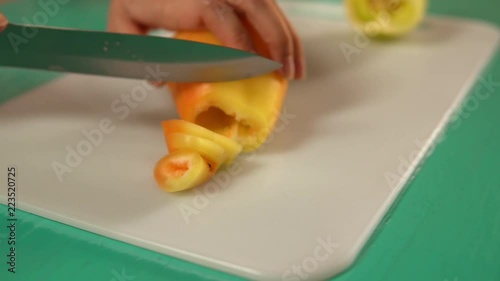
(3, 22)
(224, 18)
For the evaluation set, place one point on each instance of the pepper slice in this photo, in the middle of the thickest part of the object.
(180, 170)
(213, 153)
(231, 148)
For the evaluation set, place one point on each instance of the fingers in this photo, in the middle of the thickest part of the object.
(226, 19)
(165, 14)
(119, 20)
(3, 22)
(224, 23)
(266, 18)
(299, 57)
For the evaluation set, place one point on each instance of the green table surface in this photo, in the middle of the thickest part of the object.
(444, 227)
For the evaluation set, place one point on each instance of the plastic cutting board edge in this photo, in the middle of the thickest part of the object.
(350, 137)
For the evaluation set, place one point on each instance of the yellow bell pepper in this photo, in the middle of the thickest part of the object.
(385, 18)
(218, 122)
(244, 110)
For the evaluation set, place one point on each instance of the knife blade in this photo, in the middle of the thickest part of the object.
(127, 56)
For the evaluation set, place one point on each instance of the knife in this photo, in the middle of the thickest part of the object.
(127, 56)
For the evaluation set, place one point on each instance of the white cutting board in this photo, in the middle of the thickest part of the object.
(323, 176)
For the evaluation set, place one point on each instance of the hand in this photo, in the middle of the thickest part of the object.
(3, 22)
(221, 17)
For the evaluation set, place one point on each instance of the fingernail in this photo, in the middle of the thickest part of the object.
(288, 67)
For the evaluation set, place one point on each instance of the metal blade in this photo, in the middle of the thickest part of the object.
(127, 56)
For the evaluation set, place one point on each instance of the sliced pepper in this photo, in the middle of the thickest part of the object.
(231, 148)
(180, 170)
(218, 121)
(213, 153)
(245, 110)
